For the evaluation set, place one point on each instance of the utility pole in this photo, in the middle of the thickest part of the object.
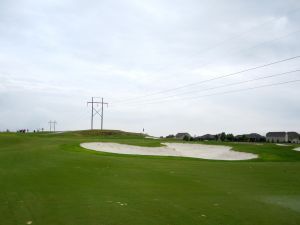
(92, 112)
(102, 113)
(95, 111)
(54, 123)
(50, 123)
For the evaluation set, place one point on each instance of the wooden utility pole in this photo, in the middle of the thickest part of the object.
(95, 111)
(54, 123)
(50, 123)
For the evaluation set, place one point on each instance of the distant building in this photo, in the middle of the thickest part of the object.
(276, 137)
(240, 137)
(291, 137)
(182, 136)
(207, 137)
(253, 137)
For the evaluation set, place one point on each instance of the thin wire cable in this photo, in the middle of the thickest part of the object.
(241, 35)
(226, 92)
(221, 86)
(250, 48)
(247, 89)
(213, 79)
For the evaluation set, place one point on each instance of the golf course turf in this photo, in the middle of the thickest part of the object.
(48, 179)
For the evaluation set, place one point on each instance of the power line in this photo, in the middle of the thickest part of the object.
(252, 47)
(247, 89)
(212, 79)
(228, 92)
(94, 111)
(52, 123)
(241, 35)
(235, 37)
(226, 85)
(249, 30)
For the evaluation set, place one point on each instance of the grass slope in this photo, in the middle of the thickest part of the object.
(48, 179)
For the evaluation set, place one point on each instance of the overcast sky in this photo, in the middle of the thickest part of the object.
(139, 55)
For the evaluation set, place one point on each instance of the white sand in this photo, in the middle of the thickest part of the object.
(283, 145)
(297, 149)
(215, 152)
(151, 137)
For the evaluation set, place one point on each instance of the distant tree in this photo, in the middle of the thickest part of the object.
(229, 137)
(263, 139)
(186, 138)
(252, 140)
(197, 139)
(192, 139)
(170, 136)
(223, 136)
(241, 138)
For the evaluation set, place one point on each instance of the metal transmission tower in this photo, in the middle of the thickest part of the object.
(54, 123)
(50, 123)
(95, 111)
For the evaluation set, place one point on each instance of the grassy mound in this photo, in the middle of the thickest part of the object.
(107, 133)
(49, 179)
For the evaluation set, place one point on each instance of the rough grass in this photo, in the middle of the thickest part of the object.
(48, 179)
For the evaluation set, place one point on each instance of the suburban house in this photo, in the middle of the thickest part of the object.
(292, 137)
(207, 137)
(254, 137)
(182, 135)
(276, 137)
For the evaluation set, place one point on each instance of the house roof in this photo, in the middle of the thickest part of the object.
(209, 136)
(276, 134)
(293, 135)
(183, 134)
(254, 135)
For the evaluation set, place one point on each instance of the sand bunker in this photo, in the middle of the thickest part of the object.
(297, 149)
(215, 152)
(151, 137)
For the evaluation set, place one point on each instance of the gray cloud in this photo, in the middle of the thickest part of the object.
(55, 55)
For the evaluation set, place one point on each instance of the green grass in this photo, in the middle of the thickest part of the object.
(48, 179)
